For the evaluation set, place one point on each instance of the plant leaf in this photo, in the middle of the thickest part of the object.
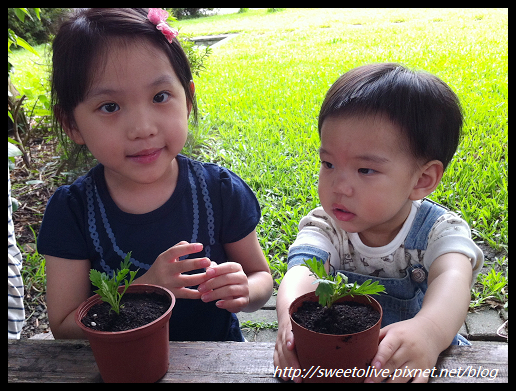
(332, 288)
(13, 150)
(108, 287)
(96, 278)
(24, 44)
(325, 291)
(316, 267)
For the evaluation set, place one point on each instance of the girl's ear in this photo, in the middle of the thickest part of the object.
(69, 126)
(188, 103)
(429, 178)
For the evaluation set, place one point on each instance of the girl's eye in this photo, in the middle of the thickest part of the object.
(162, 97)
(109, 108)
(366, 171)
(327, 164)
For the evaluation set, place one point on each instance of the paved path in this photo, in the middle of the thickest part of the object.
(479, 326)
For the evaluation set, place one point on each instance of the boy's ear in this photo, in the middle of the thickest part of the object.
(68, 125)
(429, 178)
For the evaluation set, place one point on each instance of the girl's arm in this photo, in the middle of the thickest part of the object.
(244, 283)
(417, 342)
(68, 285)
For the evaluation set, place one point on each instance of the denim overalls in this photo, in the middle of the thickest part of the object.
(405, 295)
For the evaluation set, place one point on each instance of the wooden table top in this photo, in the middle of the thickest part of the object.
(244, 362)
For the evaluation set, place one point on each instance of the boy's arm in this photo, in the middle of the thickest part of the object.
(296, 282)
(448, 295)
(416, 343)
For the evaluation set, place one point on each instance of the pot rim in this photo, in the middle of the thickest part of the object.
(307, 296)
(86, 305)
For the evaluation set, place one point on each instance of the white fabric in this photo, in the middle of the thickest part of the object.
(449, 234)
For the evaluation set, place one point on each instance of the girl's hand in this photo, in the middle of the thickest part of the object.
(408, 345)
(167, 270)
(228, 284)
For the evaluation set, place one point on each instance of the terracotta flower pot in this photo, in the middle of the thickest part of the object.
(326, 352)
(136, 355)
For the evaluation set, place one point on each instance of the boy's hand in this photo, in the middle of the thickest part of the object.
(167, 270)
(407, 345)
(228, 284)
(285, 355)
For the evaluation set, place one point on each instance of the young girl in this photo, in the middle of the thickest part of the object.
(387, 135)
(122, 86)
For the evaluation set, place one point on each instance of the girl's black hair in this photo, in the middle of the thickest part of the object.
(426, 109)
(80, 44)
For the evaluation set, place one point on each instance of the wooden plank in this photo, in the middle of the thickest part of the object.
(72, 361)
(221, 362)
(483, 362)
(51, 361)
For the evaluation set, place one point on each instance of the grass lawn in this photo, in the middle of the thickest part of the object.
(261, 92)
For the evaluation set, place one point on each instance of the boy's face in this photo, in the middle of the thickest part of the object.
(367, 176)
(134, 118)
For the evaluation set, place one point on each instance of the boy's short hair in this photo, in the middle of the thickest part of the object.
(422, 105)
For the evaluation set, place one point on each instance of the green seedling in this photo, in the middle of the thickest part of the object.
(331, 288)
(108, 287)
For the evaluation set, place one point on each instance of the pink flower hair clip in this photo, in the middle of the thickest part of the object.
(158, 17)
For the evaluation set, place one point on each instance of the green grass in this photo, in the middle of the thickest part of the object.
(30, 78)
(261, 92)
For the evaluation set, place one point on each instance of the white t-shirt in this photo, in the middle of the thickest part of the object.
(450, 233)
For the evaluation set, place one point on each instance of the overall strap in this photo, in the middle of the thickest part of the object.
(426, 216)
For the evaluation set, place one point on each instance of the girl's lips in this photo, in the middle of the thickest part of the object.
(341, 213)
(146, 156)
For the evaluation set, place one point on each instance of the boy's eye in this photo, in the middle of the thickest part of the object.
(109, 108)
(162, 97)
(327, 164)
(366, 171)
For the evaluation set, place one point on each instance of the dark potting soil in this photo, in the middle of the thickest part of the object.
(138, 310)
(341, 318)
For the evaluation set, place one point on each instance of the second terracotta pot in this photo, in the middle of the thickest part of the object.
(322, 355)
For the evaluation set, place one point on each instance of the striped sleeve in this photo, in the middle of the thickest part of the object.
(15, 309)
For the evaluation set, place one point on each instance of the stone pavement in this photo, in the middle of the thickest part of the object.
(479, 326)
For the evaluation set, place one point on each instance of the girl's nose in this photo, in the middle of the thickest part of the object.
(140, 125)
